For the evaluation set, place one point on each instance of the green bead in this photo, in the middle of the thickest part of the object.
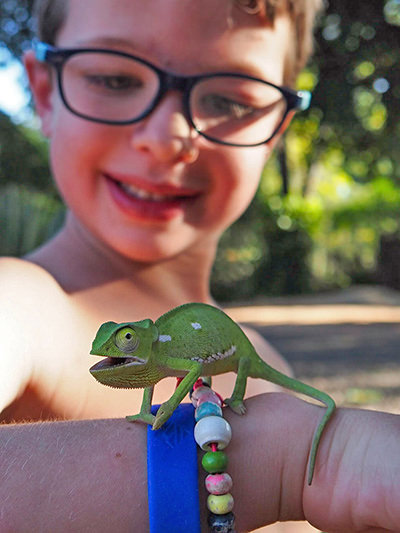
(214, 462)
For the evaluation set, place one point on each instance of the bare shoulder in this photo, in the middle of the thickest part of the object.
(224, 384)
(15, 272)
(267, 352)
(263, 348)
(27, 295)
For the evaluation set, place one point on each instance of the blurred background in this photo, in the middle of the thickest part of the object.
(326, 215)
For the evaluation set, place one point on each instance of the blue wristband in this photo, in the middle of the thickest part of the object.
(172, 474)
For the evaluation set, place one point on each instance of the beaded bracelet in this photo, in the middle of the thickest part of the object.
(213, 434)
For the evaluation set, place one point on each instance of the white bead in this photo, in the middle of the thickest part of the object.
(212, 429)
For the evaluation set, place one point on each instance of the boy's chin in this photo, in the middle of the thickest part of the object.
(148, 254)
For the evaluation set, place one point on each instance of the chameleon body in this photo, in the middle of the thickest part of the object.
(189, 341)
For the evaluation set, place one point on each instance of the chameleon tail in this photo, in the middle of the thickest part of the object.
(263, 370)
(330, 407)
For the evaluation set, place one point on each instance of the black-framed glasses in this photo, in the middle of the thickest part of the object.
(117, 88)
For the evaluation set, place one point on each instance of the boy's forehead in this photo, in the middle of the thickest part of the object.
(179, 34)
(207, 13)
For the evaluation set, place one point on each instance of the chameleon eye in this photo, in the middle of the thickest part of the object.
(126, 340)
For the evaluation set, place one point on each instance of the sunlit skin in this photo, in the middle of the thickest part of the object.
(111, 263)
(113, 260)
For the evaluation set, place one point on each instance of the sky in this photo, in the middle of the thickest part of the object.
(13, 97)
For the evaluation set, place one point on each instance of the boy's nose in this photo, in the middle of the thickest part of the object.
(166, 133)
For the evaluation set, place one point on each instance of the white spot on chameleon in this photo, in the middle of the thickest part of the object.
(164, 338)
(196, 325)
(215, 356)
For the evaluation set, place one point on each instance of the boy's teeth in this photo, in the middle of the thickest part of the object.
(140, 193)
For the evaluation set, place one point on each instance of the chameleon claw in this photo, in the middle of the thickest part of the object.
(163, 413)
(145, 418)
(237, 406)
(157, 424)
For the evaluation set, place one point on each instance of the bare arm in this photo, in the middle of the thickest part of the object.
(73, 476)
(91, 475)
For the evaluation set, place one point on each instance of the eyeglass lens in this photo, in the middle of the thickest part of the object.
(114, 88)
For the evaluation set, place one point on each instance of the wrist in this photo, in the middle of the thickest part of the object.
(269, 458)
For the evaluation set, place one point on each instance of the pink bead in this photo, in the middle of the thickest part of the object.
(218, 483)
(209, 396)
(197, 392)
(205, 394)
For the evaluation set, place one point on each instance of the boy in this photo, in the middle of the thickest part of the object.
(148, 199)
(160, 117)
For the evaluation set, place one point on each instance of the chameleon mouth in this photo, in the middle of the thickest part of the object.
(114, 362)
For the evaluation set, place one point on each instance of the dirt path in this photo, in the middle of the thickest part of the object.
(346, 342)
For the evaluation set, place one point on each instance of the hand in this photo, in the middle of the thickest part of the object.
(355, 486)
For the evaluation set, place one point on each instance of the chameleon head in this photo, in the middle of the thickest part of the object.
(127, 348)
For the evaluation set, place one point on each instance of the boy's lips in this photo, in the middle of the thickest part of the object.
(148, 201)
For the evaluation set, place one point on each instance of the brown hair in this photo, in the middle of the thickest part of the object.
(302, 14)
(50, 15)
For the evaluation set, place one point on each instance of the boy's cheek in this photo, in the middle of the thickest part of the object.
(271, 145)
(237, 179)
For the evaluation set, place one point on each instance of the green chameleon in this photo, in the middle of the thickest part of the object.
(189, 341)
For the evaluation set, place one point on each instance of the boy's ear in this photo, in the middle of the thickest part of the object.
(40, 81)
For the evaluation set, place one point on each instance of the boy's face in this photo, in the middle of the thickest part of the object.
(184, 189)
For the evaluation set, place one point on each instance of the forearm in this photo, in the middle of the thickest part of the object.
(355, 486)
(73, 476)
(91, 475)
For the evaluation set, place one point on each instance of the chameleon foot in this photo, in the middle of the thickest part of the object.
(237, 406)
(146, 418)
(164, 412)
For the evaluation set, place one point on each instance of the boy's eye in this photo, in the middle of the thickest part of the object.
(113, 82)
(216, 104)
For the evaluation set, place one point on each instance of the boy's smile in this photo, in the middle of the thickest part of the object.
(146, 201)
(155, 188)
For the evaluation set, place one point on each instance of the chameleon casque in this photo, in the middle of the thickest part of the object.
(189, 341)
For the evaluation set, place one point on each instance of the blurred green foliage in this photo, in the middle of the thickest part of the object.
(327, 210)
(23, 156)
(27, 219)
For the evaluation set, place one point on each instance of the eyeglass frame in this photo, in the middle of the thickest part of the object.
(57, 57)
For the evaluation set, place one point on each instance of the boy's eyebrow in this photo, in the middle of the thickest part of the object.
(248, 69)
(107, 41)
(240, 67)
